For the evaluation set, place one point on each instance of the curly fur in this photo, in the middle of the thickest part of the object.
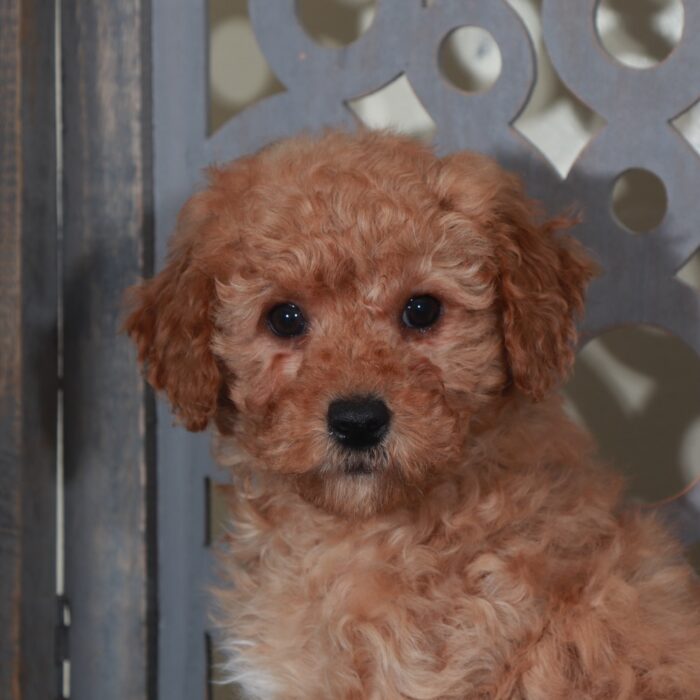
(486, 554)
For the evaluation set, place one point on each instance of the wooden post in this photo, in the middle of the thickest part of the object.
(28, 351)
(108, 414)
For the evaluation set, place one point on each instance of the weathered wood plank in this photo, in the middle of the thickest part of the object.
(39, 674)
(108, 461)
(28, 348)
(10, 321)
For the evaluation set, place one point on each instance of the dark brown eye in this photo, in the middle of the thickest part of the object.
(286, 320)
(421, 312)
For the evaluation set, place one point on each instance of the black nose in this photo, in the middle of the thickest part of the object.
(358, 422)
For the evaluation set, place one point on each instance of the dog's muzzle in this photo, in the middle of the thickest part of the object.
(358, 422)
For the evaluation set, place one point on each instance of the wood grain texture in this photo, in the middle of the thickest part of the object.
(28, 351)
(10, 349)
(106, 248)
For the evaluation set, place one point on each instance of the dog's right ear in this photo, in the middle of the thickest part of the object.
(541, 273)
(170, 319)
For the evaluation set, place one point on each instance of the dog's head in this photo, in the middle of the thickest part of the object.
(349, 308)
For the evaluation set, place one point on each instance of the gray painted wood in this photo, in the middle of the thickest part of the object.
(179, 103)
(639, 284)
(108, 457)
(404, 38)
(27, 351)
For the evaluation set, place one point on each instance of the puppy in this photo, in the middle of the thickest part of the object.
(377, 335)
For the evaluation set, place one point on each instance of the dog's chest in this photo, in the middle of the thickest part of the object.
(342, 616)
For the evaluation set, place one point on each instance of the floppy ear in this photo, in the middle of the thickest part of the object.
(542, 274)
(170, 321)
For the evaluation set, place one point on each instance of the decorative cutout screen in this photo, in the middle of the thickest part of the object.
(588, 116)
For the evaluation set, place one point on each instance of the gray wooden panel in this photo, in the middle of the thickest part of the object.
(637, 106)
(108, 454)
(404, 38)
(179, 94)
(28, 383)
(639, 284)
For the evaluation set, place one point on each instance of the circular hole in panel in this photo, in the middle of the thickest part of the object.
(639, 200)
(336, 23)
(470, 59)
(637, 390)
(639, 33)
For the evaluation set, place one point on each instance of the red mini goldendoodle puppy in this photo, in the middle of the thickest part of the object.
(376, 334)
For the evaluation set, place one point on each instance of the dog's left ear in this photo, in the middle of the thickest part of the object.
(542, 274)
(170, 319)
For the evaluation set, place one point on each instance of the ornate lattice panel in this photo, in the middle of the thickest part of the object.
(322, 86)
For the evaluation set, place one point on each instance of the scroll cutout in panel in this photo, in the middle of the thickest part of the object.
(336, 23)
(555, 121)
(687, 124)
(637, 389)
(239, 75)
(639, 33)
(394, 106)
(689, 273)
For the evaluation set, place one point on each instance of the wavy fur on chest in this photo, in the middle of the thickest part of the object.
(518, 578)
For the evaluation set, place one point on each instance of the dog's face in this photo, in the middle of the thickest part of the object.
(349, 309)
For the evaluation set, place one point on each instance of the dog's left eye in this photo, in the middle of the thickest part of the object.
(286, 320)
(421, 312)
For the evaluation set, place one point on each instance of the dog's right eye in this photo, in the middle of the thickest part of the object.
(286, 320)
(421, 312)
